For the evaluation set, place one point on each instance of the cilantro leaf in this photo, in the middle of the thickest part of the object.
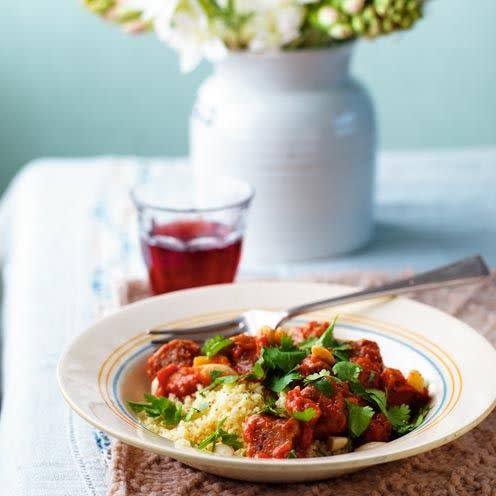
(340, 352)
(359, 418)
(258, 370)
(218, 379)
(307, 344)
(287, 343)
(399, 416)
(271, 408)
(278, 384)
(276, 358)
(220, 435)
(346, 371)
(379, 398)
(163, 409)
(214, 345)
(405, 429)
(306, 415)
(230, 439)
(327, 339)
(292, 454)
(320, 382)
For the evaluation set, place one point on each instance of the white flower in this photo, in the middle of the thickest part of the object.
(188, 31)
(327, 16)
(353, 6)
(273, 23)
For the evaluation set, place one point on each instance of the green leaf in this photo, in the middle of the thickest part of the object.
(230, 439)
(163, 409)
(324, 386)
(359, 418)
(319, 381)
(271, 408)
(379, 398)
(275, 358)
(195, 410)
(220, 435)
(340, 352)
(258, 370)
(399, 416)
(278, 384)
(405, 429)
(308, 343)
(327, 339)
(292, 454)
(316, 376)
(214, 345)
(218, 379)
(306, 415)
(346, 371)
(287, 343)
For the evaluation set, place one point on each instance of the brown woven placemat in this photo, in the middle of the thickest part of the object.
(466, 466)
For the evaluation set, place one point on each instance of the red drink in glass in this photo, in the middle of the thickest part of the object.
(189, 253)
(191, 227)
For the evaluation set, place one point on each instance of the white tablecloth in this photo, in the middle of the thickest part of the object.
(65, 238)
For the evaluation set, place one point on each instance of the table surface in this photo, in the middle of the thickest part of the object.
(67, 236)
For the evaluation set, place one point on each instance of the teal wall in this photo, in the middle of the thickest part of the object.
(72, 85)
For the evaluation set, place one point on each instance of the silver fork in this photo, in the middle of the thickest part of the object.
(465, 271)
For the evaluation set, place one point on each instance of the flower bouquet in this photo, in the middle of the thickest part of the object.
(209, 28)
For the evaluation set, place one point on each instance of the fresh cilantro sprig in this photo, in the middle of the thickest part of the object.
(306, 415)
(346, 371)
(271, 408)
(214, 345)
(218, 379)
(280, 383)
(220, 435)
(410, 426)
(319, 381)
(163, 409)
(282, 360)
(327, 340)
(359, 418)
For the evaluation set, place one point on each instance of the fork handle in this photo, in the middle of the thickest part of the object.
(470, 269)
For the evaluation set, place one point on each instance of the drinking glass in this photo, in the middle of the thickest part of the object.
(191, 229)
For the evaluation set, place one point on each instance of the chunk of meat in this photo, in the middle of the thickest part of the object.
(312, 329)
(269, 437)
(295, 402)
(180, 352)
(179, 381)
(400, 392)
(379, 429)
(370, 376)
(243, 353)
(333, 418)
(312, 364)
(367, 349)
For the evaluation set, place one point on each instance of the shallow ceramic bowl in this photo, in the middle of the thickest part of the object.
(104, 367)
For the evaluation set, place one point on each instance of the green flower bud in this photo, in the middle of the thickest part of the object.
(387, 26)
(352, 6)
(357, 24)
(381, 6)
(99, 6)
(324, 17)
(341, 31)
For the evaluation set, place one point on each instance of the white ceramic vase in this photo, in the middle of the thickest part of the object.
(300, 129)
